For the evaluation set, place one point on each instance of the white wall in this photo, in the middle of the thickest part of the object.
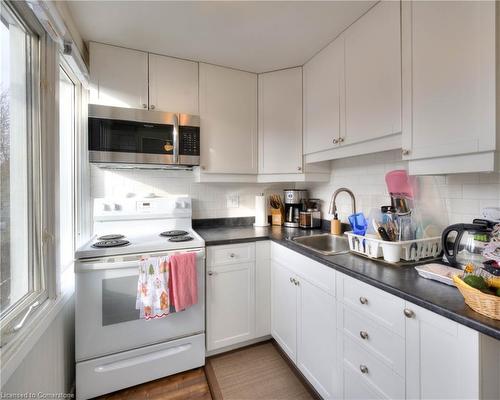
(209, 199)
(50, 365)
(463, 195)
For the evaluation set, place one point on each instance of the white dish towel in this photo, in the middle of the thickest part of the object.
(153, 298)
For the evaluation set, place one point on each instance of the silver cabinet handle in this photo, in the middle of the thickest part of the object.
(26, 315)
(299, 168)
(341, 140)
(363, 300)
(291, 280)
(152, 107)
(363, 369)
(144, 106)
(363, 334)
(405, 152)
(232, 255)
(408, 313)
(203, 167)
(210, 273)
(335, 141)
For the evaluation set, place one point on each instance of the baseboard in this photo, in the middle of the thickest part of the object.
(237, 346)
(300, 376)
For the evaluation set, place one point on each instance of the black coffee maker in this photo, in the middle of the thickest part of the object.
(294, 204)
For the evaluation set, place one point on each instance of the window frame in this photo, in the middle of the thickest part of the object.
(37, 272)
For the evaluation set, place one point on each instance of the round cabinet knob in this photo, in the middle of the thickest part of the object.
(144, 106)
(363, 300)
(291, 280)
(409, 313)
(210, 273)
(203, 167)
(335, 141)
(297, 283)
(364, 335)
(232, 255)
(363, 369)
(299, 168)
(152, 106)
(341, 140)
(405, 152)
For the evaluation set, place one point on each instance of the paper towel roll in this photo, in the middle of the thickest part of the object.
(260, 210)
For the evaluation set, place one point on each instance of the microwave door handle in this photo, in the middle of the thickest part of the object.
(176, 138)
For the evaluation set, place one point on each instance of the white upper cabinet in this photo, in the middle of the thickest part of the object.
(449, 85)
(228, 112)
(324, 97)
(173, 84)
(373, 75)
(119, 77)
(280, 122)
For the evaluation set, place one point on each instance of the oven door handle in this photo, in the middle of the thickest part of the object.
(99, 265)
(176, 144)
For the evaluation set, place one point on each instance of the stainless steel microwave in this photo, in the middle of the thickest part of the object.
(133, 136)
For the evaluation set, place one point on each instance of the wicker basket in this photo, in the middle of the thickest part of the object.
(485, 304)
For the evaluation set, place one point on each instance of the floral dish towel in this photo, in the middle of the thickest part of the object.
(153, 299)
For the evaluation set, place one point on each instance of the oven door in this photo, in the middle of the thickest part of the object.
(106, 318)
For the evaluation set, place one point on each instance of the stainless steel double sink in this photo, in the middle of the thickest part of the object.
(323, 243)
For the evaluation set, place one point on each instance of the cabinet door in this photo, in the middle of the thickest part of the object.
(230, 304)
(119, 77)
(324, 86)
(262, 288)
(280, 122)
(173, 84)
(442, 357)
(228, 112)
(284, 309)
(316, 337)
(373, 74)
(448, 78)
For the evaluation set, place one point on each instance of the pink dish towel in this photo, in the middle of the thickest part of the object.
(183, 282)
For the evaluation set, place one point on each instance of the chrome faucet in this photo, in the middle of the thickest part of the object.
(333, 205)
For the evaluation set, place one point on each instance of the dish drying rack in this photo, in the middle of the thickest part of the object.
(409, 251)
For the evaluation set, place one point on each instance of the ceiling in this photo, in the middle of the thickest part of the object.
(255, 36)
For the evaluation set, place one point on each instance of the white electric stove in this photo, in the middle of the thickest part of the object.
(115, 348)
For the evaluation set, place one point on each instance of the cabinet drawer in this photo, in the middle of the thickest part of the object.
(230, 254)
(312, 271)
(382, 307)
(386, 345)
(371, 371)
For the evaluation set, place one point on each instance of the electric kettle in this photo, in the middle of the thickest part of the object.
(468, 244)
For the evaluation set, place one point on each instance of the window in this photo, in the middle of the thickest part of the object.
(67, 134)
(22, 276)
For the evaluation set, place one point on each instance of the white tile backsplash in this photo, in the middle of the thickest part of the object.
(463, 195)
(210, 200)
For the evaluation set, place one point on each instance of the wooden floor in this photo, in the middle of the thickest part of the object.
(189, 385)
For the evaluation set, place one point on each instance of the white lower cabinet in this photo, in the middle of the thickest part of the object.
(316, 337)
(303, 316)
(284, 308)
(442, 357)
(238, 294)
(352, 340)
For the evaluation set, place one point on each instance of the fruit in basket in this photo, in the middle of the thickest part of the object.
(498, 292)
(477, 282)
(494, 282)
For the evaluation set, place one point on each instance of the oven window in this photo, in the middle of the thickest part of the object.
(118, 300)
(130, 137)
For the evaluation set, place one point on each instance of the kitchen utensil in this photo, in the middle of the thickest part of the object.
(468, 245)
(383, 234)
(277, 209)
(358, 223)
(399, 186)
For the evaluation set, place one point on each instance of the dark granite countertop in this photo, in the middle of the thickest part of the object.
(403, 282)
